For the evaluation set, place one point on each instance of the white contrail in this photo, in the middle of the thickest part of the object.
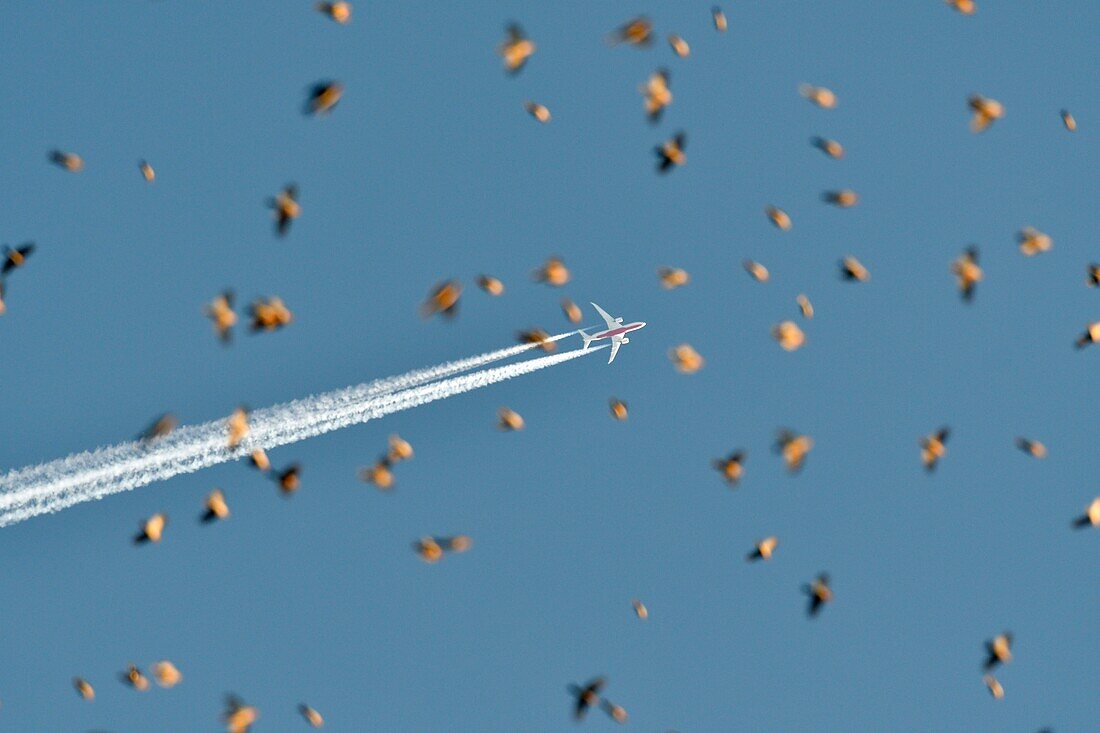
(113, 455)
(87, 476)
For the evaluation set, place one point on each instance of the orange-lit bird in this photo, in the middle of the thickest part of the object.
(819, 592)
(670, 153)
(323, 97)
(222, 316)
(516, 48)
(967, 272)
(442, 299)
(285, 208)
(215, 506)
(732, 467)
(152, 529)
(933, 447)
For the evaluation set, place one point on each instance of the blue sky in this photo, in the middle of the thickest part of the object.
(429, 169)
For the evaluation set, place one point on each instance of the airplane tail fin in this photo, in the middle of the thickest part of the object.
(587, 339)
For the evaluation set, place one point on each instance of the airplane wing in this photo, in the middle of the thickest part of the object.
(616, 342)
(611, 322)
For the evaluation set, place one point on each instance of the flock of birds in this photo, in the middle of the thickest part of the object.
(271, 313)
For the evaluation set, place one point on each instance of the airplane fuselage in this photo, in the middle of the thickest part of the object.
(619, 331)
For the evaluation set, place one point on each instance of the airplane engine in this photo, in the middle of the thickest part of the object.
(626, 340)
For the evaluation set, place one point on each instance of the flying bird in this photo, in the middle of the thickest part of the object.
(1068, 121)
(635, 32)
(1090, 336)
(539, 111)
(830, 147)
(966, 7)
(670, 153)
(258, 459)
(152, 529)
(571, 310)
(16, 257)
(657, 94)
(732, 467)
(147, 171)
(516, 49)
(756, 271)
(508, 419)
(323, 97)
(289, 479)
(819, 593)
(311, 716)
(844, 198)
(986, 112)
(399, 449)
(216, 506)
(778, 217)
(134, 678)
(793, 448)
(679, 46)
(788, 335)
(237, 426)
(719, 19)
(1032, 241)
(222, 316)
(618, 408)
(998, 651)
(639, 609)
(166, 674)
(686, 359)
(1093, 278)
(995, 687)
(820, 96)
(967, 272)
(763, 549)
(933, 447)
(442, 299)
(239, 717)
(269, 314)
(285, 208)
(490, 284)
(805, 306)
(160, 428)
(537, 336)
(1091, 517)
(338, 11)
(380, 474)
(71, 162)
(853, 270)
(1033, 448)
(586, 697)
(84, 688)
(673, 277)
(553, 272)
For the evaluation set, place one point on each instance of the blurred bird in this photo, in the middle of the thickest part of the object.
(399, 449)
(967, 272)
(269, 314)
(553, 272)
(84, 688)
(152, 529)
(986, 112)
(238, 717)
(805, 306)
(830, 147)
(134, 678)
(1033, 448)
(166, 674)
(458, 543)
(639, 609)
(161, 427)
(763, 550)
(508, 419)
(789, 336)
(616, 712)
(216, 506)
(998, 650)
(17, 257)
(69, 161)
(285, 207)
(933, 447)
(537, 336)
(778, 217)
(636, 32)
(442, 299)
(429, 550)
(289, 479)
(379, 474)
(1091, 517)
(237, 426)
(719, 17)
(995, 687)
(586, 697)
(571, 310)
(852, 269)
(3, 305)
(686, 359)
(618, 409)
(1069, 121)
(819, 592)
(539, 111)
(679, 46)
(657, 94)
(338, 11)
(259, 460)
(793, 448)
(672, 277)
(147, 171)
(221, 314)
(516, 48)
(1093, 278)
(844, 198)
(822, 97)
(1090, 336)
(323, 96)
(966, 7)
(732, 467)
(756, 271)
(1032, 241)
(671, 153)
(490, 284)
(311, 716)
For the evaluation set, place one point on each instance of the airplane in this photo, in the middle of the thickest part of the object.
(616, 331)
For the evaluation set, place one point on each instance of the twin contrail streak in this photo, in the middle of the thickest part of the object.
(50, 487)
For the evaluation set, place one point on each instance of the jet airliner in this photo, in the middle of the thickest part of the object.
(616, 331)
